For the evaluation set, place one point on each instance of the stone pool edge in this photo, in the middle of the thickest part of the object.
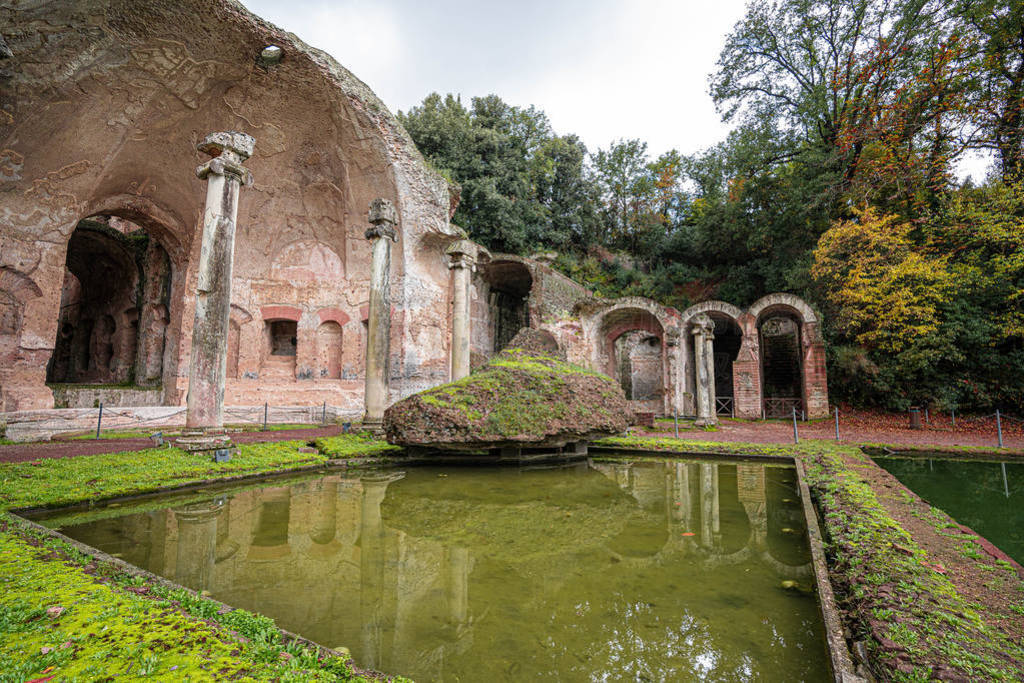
(840, 659)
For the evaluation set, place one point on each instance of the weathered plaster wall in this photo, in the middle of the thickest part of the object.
(101, 107)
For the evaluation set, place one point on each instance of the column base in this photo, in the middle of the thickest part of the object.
(374, 425)
(705, 422)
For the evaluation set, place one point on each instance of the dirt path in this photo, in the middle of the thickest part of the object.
(857, 428)
(68, 449)
(968, 560)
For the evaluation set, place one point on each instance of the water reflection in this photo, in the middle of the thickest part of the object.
(986, 496)
(598, 572)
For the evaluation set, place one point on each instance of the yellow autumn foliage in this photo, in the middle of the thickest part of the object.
(880, 290)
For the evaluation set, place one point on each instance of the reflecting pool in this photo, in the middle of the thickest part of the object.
(647, 571)
(986, 496)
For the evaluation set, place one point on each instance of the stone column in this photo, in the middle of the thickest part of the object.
(224, 174)
(462, 255)
(383, 219)
(703, 332)
(709, 359)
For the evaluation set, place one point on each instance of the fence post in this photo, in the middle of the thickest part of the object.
(796, 435)
(927, 420)
(999, 427)
(99, 420)
(323, 420)
(675, 418)
(265, 416)
(837, 423)
(952, 416)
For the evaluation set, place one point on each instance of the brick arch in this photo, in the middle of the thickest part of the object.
(781, 301)
(711, 306)
(333, 314)
(280, 313)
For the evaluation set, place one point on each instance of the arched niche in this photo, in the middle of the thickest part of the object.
(510, 283)
(113, 316)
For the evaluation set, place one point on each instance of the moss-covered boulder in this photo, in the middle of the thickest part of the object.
(519, 398)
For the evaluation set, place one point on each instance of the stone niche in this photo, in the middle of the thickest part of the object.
(113, 307)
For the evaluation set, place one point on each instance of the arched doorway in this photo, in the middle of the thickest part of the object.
(508, 302)
(114, 308)
(630, 348)
(727, 342)
(781, 366)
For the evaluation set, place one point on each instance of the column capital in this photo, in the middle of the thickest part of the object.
(383, 218)
(466, 254)
(702, 325)
(229, 150)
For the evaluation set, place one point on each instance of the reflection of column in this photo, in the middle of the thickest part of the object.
(377, 624)
(707, 502)
(462, 258)
(457, 579)
(208, 366)
(383, 217)
(326, 520)
(750, 486)
(681, 495)
(197, 542)
(703, 331)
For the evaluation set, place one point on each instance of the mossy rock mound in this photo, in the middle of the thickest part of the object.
(519, 398)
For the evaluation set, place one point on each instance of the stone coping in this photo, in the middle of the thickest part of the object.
(839, 655)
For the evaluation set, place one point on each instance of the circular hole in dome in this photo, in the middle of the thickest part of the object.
(271, 54)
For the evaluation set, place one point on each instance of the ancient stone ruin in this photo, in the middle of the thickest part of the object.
(311, 261)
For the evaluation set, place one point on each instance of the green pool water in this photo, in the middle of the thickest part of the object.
(657, 571)
(986, 496)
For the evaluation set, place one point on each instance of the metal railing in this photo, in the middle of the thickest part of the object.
(724, 405)
(780, 408)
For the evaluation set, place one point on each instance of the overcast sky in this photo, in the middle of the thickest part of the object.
(603, 69)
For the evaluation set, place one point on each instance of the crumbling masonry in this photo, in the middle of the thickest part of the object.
(334, 276)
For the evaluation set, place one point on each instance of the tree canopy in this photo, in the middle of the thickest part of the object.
(837, 183)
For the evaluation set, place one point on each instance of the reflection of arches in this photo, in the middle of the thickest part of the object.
(510, 284)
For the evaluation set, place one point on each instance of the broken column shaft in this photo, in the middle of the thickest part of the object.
(224, 174)
(462, 258)
(383, 219)
(704, 370)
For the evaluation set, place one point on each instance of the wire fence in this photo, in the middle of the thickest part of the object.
(103, 420)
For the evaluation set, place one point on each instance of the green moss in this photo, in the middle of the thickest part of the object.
(152, 631)
(62, 481)
(58, 620)
(523, 393)
(353, 446)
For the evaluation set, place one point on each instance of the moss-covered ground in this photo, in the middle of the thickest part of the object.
(894, 595)
(67, 616)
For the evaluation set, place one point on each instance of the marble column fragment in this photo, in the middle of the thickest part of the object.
(383, 219)
(703, 364)
(225, 175)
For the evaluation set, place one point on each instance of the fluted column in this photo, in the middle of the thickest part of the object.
(224, 174)
(383, 219)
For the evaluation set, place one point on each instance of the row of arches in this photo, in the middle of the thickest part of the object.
(767, 360)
